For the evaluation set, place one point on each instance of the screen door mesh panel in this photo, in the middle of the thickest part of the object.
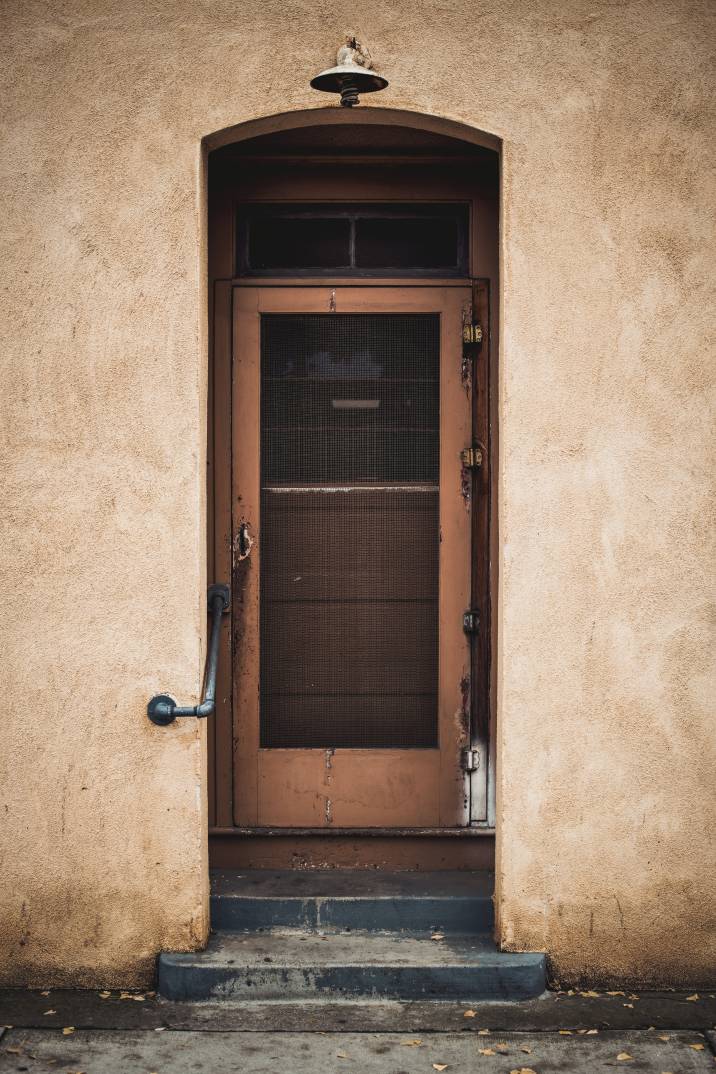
(349, 534)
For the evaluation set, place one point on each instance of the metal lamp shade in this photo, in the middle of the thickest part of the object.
(349, 80)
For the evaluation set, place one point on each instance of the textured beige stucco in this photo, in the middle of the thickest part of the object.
(605, 786)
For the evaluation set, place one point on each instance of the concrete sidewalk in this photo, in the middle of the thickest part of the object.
(137, 1033)
(42, 1051)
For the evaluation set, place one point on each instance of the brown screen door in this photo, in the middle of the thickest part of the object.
(351, 547)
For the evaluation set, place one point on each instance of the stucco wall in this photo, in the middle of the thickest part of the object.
(605, 801)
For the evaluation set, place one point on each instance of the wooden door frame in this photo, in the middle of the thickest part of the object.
(325, 184)
(222, 535)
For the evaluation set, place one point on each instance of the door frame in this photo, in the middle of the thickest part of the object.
(362, 178)
(476, 379)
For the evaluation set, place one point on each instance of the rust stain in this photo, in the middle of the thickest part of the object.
(243, 541)
(466, 485)
(240, 572)
(465, 706)
(466, 373)
(328, 779)
(466, 365)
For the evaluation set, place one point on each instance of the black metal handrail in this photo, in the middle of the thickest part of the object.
(163, 709)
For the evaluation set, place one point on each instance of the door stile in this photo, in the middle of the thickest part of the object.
(481, 572)
(246, 552)
(455, 568)
(220, 728)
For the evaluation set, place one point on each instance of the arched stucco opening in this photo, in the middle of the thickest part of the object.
(389, 154)
(361, 117)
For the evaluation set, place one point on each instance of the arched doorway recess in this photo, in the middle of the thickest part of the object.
(352, 438)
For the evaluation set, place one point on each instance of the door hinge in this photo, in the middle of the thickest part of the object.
(471, 621)
(469, 759)
(471, 333)
(472, 457)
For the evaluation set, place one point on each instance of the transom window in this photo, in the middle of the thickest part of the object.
(352, 240)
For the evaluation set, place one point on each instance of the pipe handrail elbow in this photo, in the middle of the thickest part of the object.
(163, 709)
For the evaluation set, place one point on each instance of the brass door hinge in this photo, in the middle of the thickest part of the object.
(471, 333)
(472, 458)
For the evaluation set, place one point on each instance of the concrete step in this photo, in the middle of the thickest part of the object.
(348, 899)
(286, 964)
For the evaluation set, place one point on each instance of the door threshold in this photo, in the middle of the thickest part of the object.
(460, 833)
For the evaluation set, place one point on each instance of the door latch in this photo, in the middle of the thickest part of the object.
(244, 540)
(471, 621)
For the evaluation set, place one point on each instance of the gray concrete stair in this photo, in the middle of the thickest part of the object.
(344, 899)
(344, 934)
(280, 963)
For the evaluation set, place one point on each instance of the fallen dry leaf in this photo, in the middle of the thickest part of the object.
(67, 1030)
(631, 1005)
(46, 993)
(440, 1066)
(565, 1032)
(486, 1051)
(526, 1049)
(49, 1012)
(105, 995)
(438, 936)
(483, 1032)
(591, 1032)
(160, 1029)
(697, 1047)
(590, 993)
(616, 993)
(692, 999)
(624, 1057)
(523, 1070)
(502, 1048)
(411, 1043)
(341, 1055)
(14, 1051)
(469, 1014)
(664, 1036)
(632, 996)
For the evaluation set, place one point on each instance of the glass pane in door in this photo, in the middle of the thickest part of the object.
(350, 534)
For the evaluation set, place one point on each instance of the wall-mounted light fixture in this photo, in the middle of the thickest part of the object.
(352, 75)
